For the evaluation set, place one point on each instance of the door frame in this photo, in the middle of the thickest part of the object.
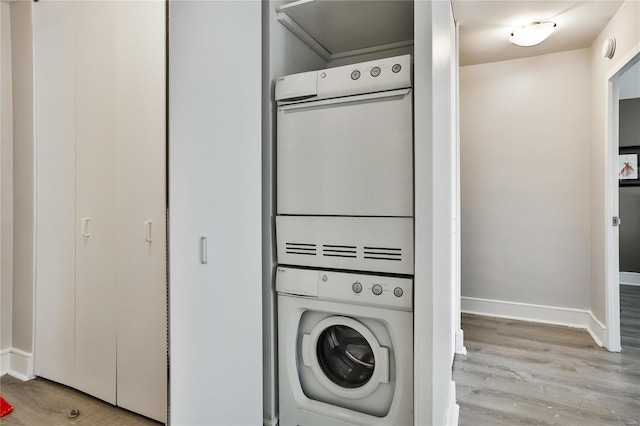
(456, 283)
(612, 249)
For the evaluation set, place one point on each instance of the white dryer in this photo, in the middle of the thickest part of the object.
(345, 167)
(345, 348)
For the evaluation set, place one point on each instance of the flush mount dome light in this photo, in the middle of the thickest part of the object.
(532, 34)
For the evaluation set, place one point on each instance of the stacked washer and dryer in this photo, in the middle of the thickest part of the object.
(344, 231)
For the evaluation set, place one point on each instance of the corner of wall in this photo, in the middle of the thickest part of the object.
(624, 27)
(24, 176)
(6, 179)
(5, 361)
(597, 330)
(17, 363)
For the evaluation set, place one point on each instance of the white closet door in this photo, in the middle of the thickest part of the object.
(55, 190)
(140, 205)
(215, 192)
(95, 363)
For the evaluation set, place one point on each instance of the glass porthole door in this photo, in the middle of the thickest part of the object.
(345, 357)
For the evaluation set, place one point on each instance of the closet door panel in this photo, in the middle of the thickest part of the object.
(140, 205)
(55, 190)
(215, 192)
(95, 364)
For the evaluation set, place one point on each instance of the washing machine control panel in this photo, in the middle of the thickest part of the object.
(373, 290)
(360, 289)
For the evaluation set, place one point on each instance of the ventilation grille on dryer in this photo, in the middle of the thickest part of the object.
(375, 244)
(306, 249)
(339, 251)
(353, 252)
(383, 253)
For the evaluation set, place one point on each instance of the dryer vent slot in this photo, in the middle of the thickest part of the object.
(301, 248)
(383, 253)
(339, 251)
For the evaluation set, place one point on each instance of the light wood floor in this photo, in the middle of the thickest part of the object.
(630, 317)
(515, 373)
(40, 402)
(524, 373)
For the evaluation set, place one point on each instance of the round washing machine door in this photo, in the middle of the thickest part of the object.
(345, 357)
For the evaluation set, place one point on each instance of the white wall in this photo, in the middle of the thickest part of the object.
(23, 175)
(283, 53)
(630, 83)
(434, 391)
(407, 50)
(6, 183)
(624, 26)
(525, 180)
(17, 190)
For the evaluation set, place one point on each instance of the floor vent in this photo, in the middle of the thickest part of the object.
(305, 249)
(383, 253)
(339, 251)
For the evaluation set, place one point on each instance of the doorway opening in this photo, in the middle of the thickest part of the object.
(629, 206)
(615, 188)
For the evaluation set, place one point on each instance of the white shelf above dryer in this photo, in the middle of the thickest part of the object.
(339, 29)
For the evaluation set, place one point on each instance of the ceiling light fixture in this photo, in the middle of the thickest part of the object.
(532, 34)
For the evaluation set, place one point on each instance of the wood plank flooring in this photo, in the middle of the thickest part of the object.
(526, 373)
(515, 373)
(630, 317)
(40, 402)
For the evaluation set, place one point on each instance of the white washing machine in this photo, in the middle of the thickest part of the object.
(345, 348)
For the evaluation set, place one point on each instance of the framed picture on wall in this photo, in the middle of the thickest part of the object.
(628, 166)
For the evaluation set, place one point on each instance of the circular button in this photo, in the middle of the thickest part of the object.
(396, 68)
(375, 71)
(398, 292)
(355, 75)
(323, 75)
(324, 278)
(356, 287)
(377, 289)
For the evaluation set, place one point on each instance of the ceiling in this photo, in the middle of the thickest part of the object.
(485, 26)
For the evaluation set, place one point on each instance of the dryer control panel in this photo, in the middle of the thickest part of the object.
(359, 289)
(366, 77)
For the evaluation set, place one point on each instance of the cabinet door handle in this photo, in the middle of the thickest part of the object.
(147, 231)
(85, 227)
(203, 250)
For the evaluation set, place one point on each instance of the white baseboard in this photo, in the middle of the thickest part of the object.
(17, 363)
(453, 411)
(596, 329)
(630, 278)
(569, 317)
(5, 361)
(460, 349)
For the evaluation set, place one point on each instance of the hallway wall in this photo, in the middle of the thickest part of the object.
(18, 192)
(23, 175)
(624, 26)
(6, 184)
(525, 181)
